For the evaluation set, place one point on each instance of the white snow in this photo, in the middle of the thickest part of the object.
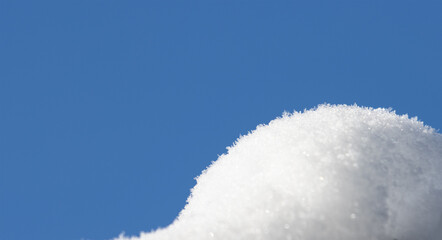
(335, 172)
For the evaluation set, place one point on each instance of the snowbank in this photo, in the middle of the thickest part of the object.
(334, 172)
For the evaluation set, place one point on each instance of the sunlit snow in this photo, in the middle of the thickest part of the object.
(330, 173)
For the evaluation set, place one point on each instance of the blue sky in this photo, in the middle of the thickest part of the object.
(109, 109)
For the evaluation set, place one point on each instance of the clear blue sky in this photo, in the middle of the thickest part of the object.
(109, 109)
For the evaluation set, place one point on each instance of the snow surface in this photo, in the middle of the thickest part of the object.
(333, 172)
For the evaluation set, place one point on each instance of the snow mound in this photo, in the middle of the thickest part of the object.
(335, 172)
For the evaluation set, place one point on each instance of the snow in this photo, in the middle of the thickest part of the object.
(335, 172)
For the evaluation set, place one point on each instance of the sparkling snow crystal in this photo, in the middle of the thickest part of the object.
(331, 173)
